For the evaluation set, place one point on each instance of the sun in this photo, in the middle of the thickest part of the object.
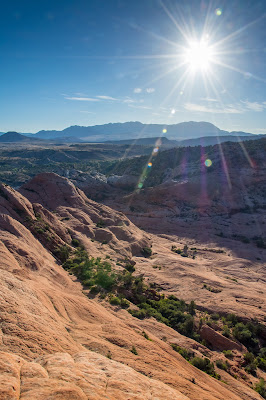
(198, 55)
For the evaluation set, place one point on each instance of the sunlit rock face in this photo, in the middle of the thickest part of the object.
(79, 377)
(59, 342)
(89, 219)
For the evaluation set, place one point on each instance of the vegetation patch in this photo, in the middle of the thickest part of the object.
(261, 388)
(125, 288)
(232, 279)
(145, 335)
(183, 253)
(134, 350)
(211, 289)
(91, 271)
(171, 311)
(204, 364)
(146, 251)
(222, 365)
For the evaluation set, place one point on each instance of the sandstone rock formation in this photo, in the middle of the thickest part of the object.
(89, 220)
(85, 375)
(219, 341)
(56, 341)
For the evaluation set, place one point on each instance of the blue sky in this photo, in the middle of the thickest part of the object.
(98, 61)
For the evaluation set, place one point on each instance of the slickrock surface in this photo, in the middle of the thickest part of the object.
(55, 341)
(86, 375)
(86, 218)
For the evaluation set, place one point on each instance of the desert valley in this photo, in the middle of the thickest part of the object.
(141, 277)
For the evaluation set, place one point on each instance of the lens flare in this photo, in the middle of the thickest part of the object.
(164, 130)
(198, 55)
(149, 165)
(218, 12)
(208, 162)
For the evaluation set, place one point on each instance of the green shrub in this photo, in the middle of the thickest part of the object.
(250, 334)
(242, 333)
(249, 358)
(171, 311)
(75, 242)
(125, 303)
(39, 230)
(145, 335)
(226, 331)
(134, 350)
(187, 327)
(262, 352)
(261, 388)
(140, 314)
(232, 319)
(146, 251)
(95, 289)
(91, 271)
(213, 290)
(115, 300)
(187, 354)
(130, 268)
(228, 354)
(220, 364)
(105, 279)
(192, 308)
(62, 253)
(251, 368)
(175, 250)
(261, 363)
(204, 364)
(215, 316)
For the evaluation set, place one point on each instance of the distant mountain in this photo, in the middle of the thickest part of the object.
(14, 137)
(145, 141)
(166, 143)
(134, 130)
(211, 141)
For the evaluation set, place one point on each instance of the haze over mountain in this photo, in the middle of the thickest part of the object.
(165, 143)
(14, 137)
(133, 130)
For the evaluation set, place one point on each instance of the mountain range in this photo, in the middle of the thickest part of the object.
(134, 130)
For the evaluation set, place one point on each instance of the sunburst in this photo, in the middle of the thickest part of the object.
(199, 55)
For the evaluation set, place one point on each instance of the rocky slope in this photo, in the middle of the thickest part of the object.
(57, 341)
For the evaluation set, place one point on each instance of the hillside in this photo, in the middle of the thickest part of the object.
(178, 164)
(14, 137)
(56, 333)
(204, 141)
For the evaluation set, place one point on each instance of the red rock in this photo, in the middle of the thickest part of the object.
(219, 341)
